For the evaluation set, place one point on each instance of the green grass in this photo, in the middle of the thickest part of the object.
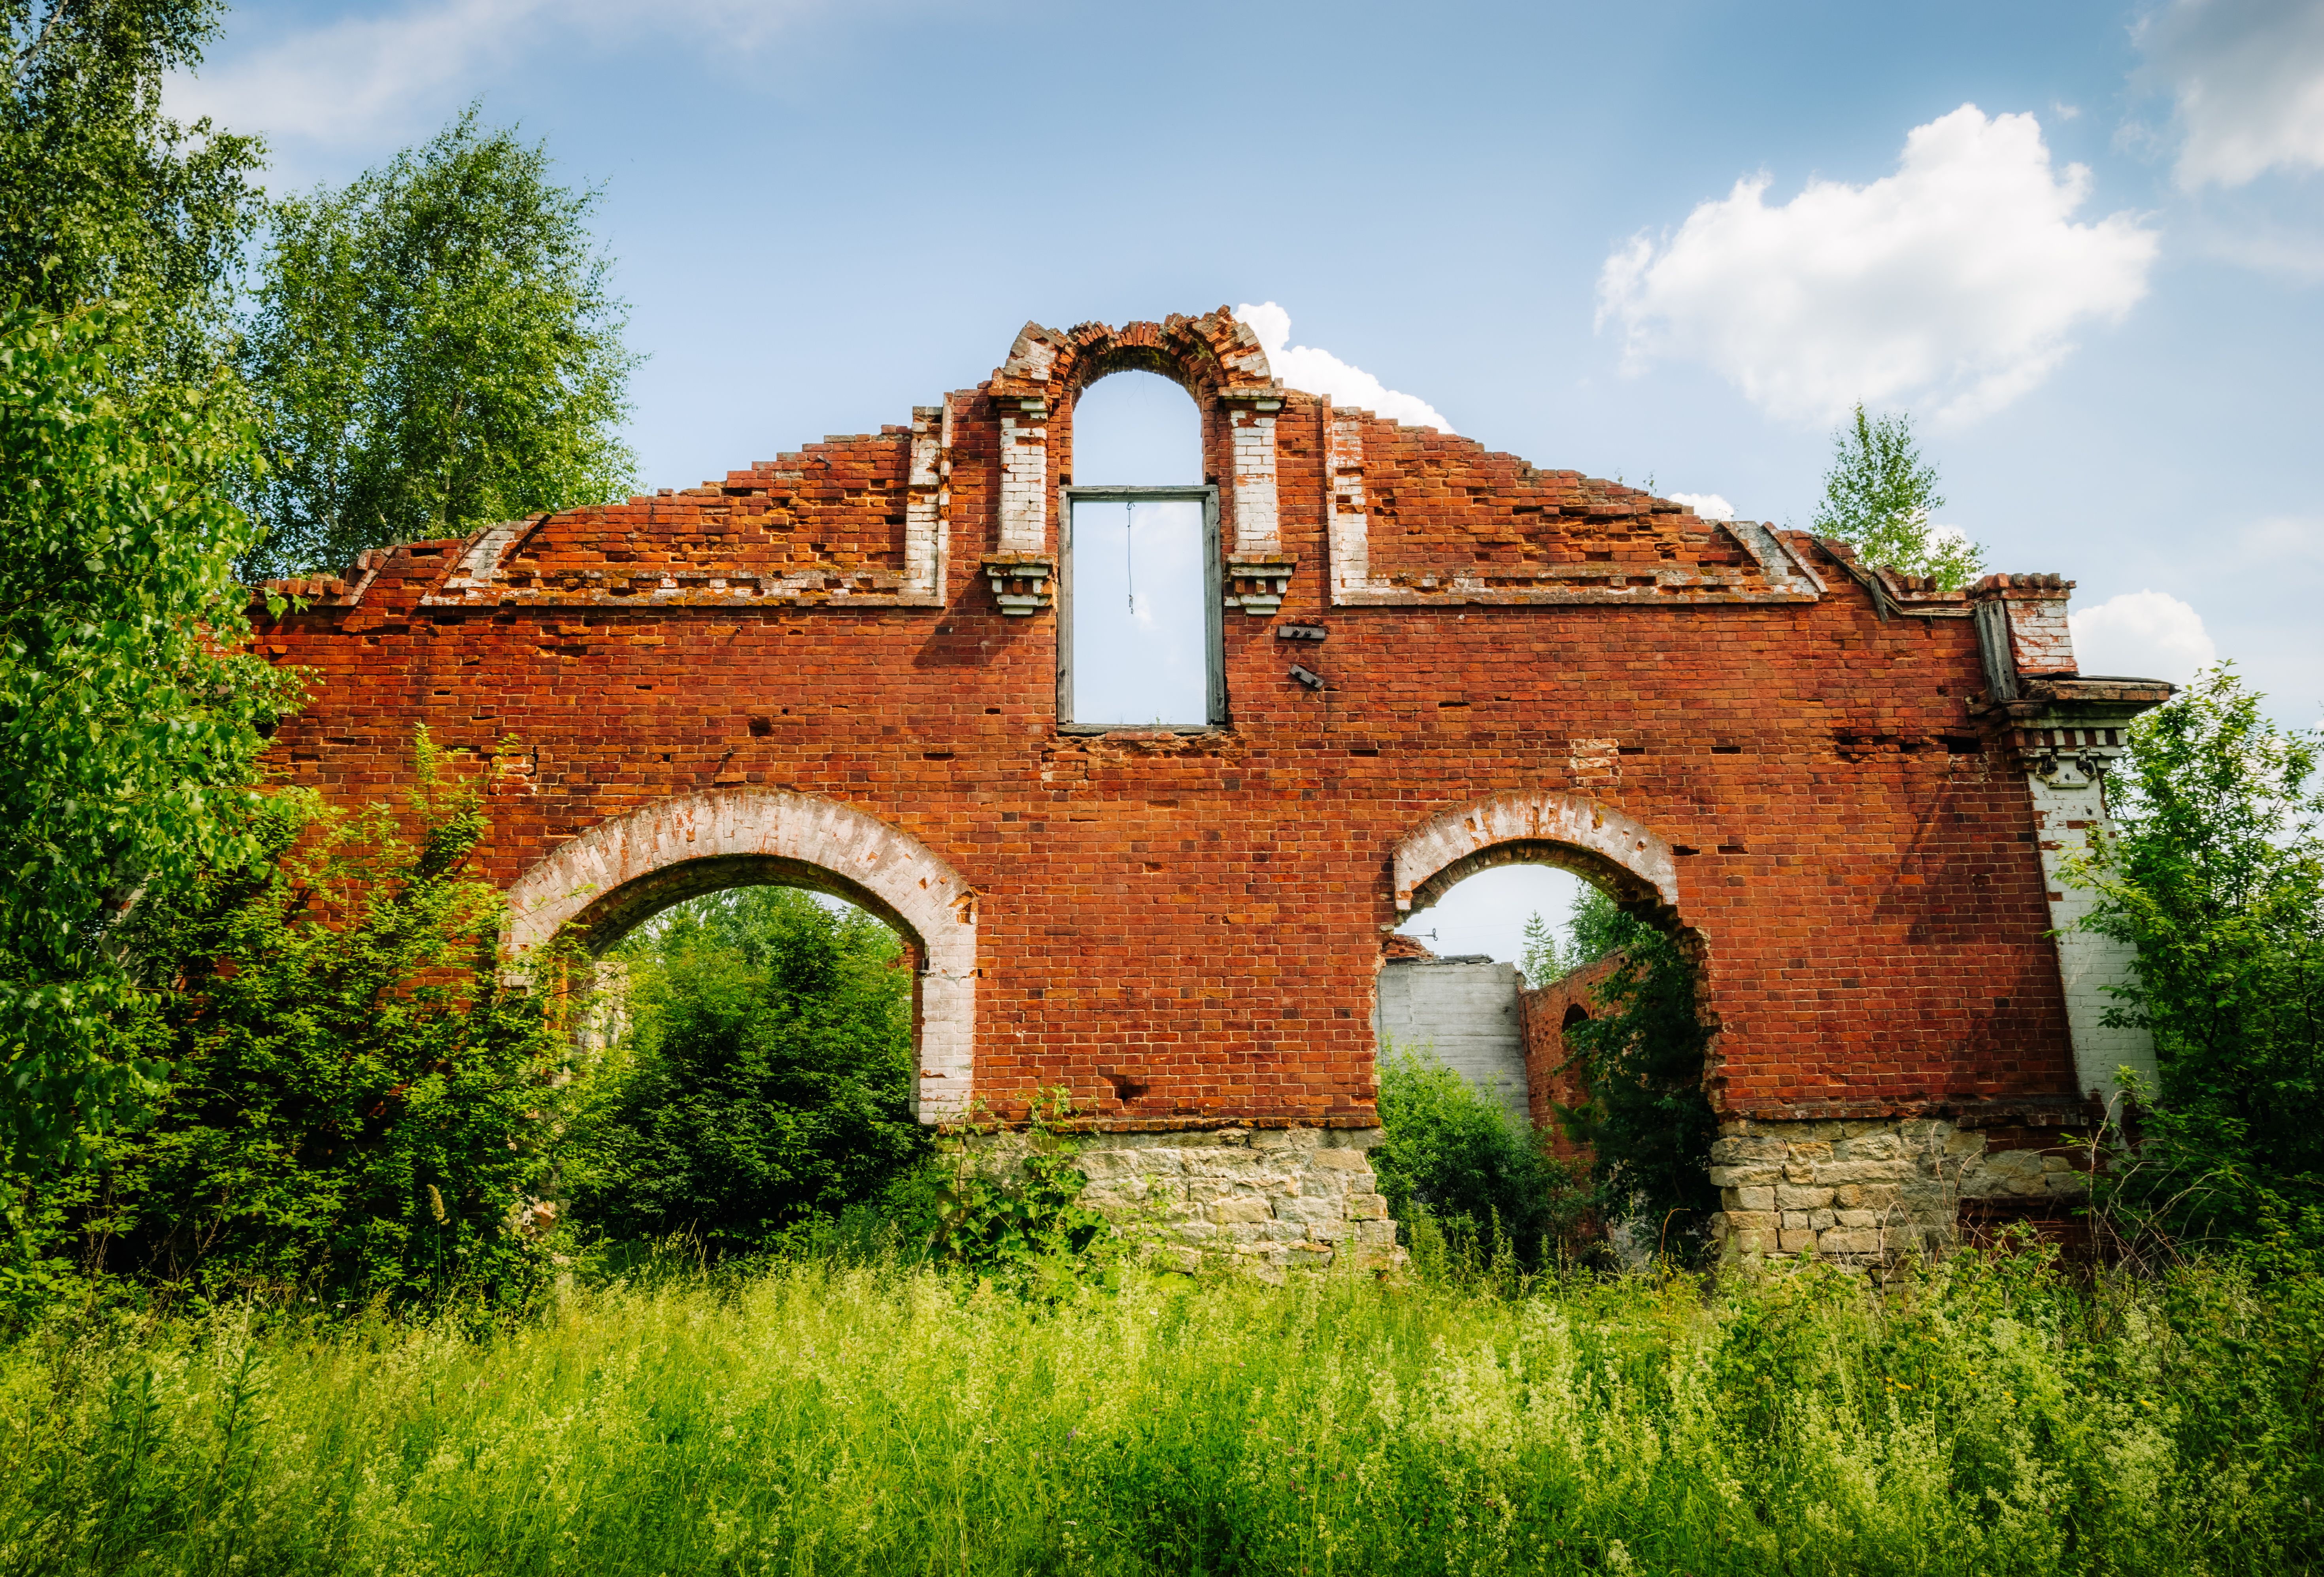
(1985, 1416)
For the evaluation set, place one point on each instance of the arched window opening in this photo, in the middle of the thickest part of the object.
(1139, 633)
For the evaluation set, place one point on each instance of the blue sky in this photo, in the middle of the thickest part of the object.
(1666, 241)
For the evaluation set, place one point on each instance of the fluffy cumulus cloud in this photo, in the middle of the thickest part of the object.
(2247, 76)
(2145, 634)
(1319, 372)
(1957, 283)
(361, 76)
(1708, 505)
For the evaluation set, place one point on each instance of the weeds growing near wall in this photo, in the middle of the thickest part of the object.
(1984, 1416)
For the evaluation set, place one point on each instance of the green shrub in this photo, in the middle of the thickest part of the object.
(765, 1080)
(2216, 878)
(1638, 1064)
(1465, 1164)
(355, 1101)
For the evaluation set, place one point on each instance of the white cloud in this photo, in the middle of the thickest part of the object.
(2145, 634)
(1319, 372)
(360, 77)
(2248, 79)
(1955, 281)
(1708, 505)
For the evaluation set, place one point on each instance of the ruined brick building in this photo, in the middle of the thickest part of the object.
(846, 668)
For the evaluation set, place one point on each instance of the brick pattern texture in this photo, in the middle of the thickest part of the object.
(1183, 930)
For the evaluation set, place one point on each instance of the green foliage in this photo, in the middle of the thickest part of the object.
(130, 720)
(766, 1080)
(357, 1093)
(1639, 1062)
(1987, 1415)
(2216, 878)
(1880, 497)
(1464, 1162)
(1011, 1213)
(1595, 928)
(1540, 959)
(103, 198)
(435, 348)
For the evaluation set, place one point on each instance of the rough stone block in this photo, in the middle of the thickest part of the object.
(1843, 1240)
(1367, 1206)
(1869, 1171)
(1744, 1176)
(1241, 1208)
(1793, 1243)
(1791, 1197)
(1755, 1199)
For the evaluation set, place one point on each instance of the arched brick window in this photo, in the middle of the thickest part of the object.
(1140, 642)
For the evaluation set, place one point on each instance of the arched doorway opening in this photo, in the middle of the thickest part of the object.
(624, 871)
(1564, 985)
(769, 971)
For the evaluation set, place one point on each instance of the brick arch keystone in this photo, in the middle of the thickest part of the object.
(623, 871)
(1590, 839)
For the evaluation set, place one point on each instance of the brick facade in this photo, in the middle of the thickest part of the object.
(1826, 776)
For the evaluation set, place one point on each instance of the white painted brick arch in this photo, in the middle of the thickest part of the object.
(622, 871)
(1557, 829)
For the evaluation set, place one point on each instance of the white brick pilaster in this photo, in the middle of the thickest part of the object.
(1024, 474)
(2068, 816)
(927, 507)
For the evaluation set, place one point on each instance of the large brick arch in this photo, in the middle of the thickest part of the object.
(623, 871)
(1542, 828)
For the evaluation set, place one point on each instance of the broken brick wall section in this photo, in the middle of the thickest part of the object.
(1544, 1012)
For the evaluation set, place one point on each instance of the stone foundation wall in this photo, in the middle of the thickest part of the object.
(1864, 1192)
(1266, 1200)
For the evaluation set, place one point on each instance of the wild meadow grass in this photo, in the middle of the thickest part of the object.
(1983, 1415)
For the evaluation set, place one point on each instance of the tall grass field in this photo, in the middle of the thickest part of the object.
(1985, 1416)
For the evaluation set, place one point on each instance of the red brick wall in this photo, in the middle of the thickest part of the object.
(1202, 913)
(1543, 1011)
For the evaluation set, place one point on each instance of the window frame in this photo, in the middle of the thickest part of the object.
(1213, 621)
